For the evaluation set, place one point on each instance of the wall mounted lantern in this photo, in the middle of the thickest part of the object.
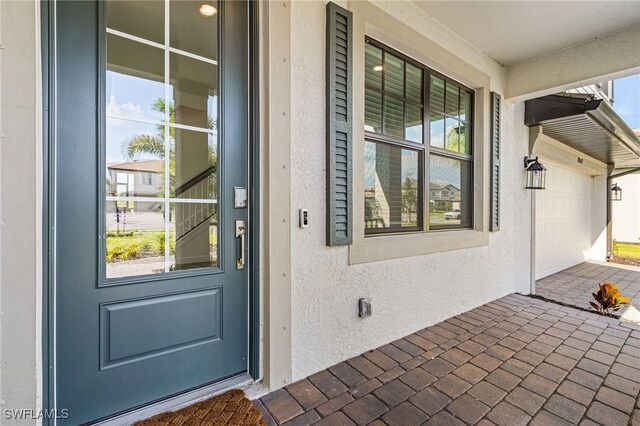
(616, 192)
(536, 173)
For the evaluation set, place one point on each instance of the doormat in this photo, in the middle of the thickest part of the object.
(230, 408)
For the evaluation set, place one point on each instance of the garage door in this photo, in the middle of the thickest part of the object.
(563, 221)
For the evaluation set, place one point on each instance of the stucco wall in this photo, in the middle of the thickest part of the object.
(626, 213)
(20, 209)
(409, 293)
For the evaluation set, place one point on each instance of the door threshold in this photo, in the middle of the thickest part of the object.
(176, 402)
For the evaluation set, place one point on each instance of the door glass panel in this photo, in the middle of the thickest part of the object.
(135, 237)
(194, 85)
(194, 27)
(140, 18)
(195, 165)
(134, 79)
(161, 146)
(195, 227)
(134, 146)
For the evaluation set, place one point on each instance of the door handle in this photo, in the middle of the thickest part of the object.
(241, 232)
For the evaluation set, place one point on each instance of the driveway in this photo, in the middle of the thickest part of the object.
(513, 361)
(574, 286)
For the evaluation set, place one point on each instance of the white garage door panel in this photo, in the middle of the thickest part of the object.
(563, 221)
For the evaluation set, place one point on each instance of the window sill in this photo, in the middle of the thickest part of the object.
(366, 249)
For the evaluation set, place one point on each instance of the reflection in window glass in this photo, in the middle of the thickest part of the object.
(396, 190)
(437, 131)
(134, 146)
(465, 105)
(135, 237)
(194, 27)
(373, 66)
(372, 111)
(452, 142)
(134, 80)
(450, 189)
(194, 86)
(414, 84)
(140, 18)
(161, 181)
(196, 230)
(393, 117)
(437, 95)
(194, 156)
(413, 128)
(391, 182)
(466, 139)
(451, 100)
(393, 75)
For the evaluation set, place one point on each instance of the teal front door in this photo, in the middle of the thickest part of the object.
(150, 154)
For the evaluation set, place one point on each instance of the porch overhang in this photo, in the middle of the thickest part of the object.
(589, 126)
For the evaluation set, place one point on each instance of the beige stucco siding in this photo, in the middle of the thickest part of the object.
(20, 209)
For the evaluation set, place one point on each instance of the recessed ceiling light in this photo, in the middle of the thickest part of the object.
(207, 10)
(378, 68)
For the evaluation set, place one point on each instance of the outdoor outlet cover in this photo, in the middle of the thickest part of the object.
(364, 307)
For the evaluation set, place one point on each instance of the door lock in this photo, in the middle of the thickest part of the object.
(241, 232)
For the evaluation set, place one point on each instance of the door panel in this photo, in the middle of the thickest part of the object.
(150, 140)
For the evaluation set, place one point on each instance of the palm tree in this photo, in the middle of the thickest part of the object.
(154, 145)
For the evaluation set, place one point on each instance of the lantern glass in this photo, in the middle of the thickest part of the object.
(616, 193)
(536, 178)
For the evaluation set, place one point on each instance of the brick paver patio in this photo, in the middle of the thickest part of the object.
(574, 286)
(514, 361)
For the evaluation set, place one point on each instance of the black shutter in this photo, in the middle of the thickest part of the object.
(339, 123)
(495, 162)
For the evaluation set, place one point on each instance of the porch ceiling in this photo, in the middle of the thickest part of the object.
(591, 127)
(512, 31)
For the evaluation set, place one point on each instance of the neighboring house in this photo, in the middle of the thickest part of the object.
(444, 197)
(141, 178)
(322, 116)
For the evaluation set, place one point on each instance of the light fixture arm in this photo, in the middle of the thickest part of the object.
(528, 162)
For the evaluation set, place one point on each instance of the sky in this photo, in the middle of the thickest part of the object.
(626, 100)
(129, 99)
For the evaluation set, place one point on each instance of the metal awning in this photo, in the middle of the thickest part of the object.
(589, 126)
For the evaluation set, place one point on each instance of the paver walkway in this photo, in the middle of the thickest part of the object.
(514, 361)
(574, 286)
